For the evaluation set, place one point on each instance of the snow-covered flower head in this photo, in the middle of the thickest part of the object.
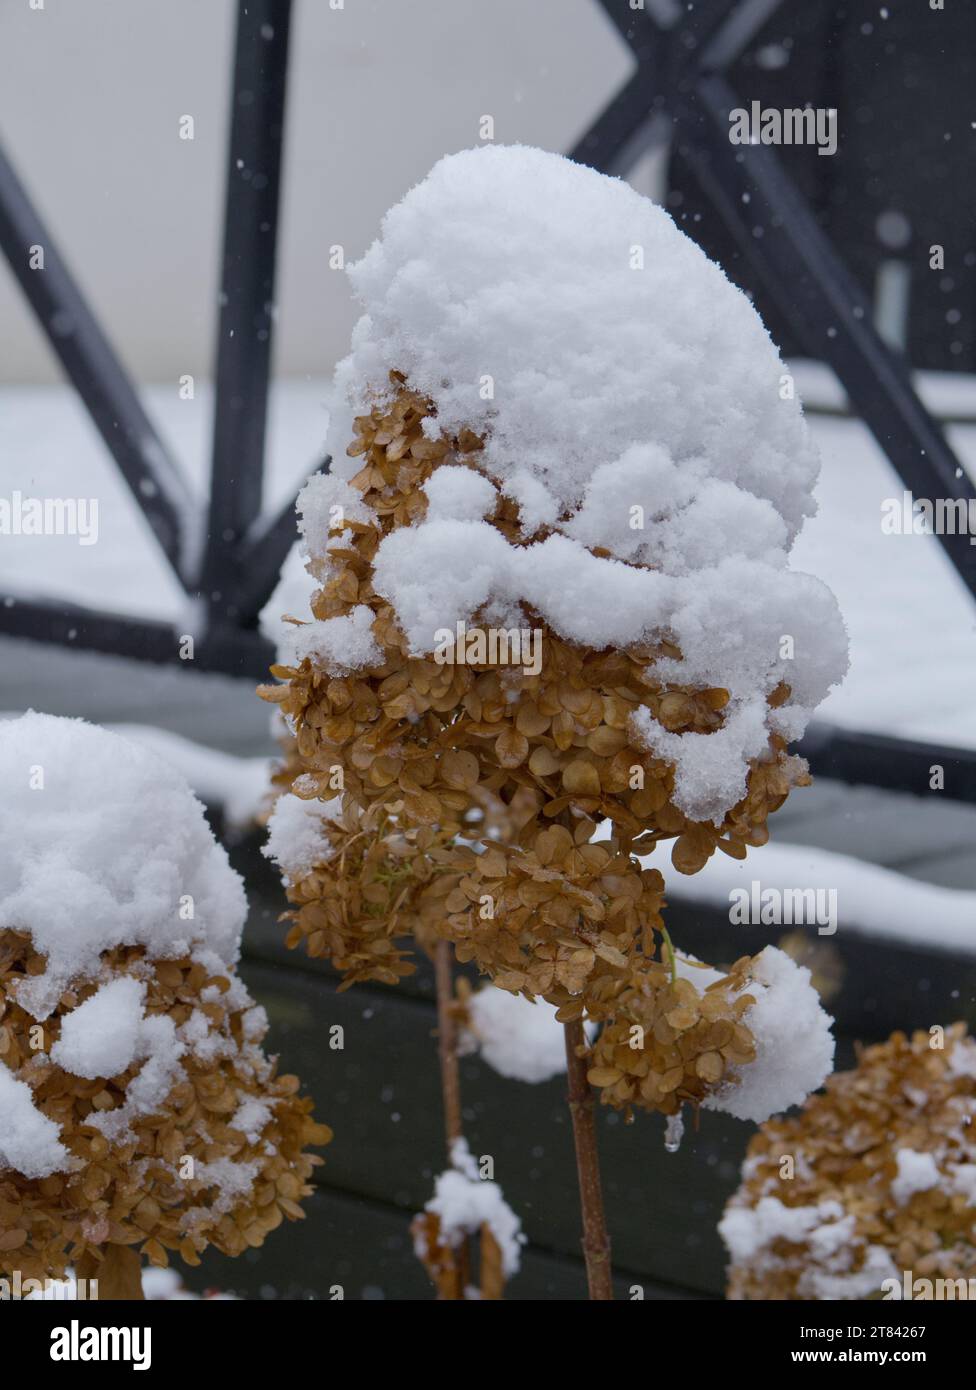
(633, 410)
(871, 1187)
(137, 1107)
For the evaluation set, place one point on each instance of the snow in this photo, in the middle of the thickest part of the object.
(232, 1180)
(238, 785)
(160, 1049)
(101, 1036)
(863, 1283)
(917, 1172)
(962, 1058)
(103, 844)
(829, 1240)
(327, 502)
(962, 1179)
(292, 596)
(662, 436)
(490, 266)
(464, 1202)
(913, 640)
(29, 1141)
(794, 1045)
(871, 900)
(165, 1285)
(516, 1037)
(340, 644)
(48, 444)
(749, 1230)
(455, 493)
(251, 1118)
(830, 1246)
(298, 835)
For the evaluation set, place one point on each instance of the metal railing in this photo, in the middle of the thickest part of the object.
(227, 552)
(231, 553)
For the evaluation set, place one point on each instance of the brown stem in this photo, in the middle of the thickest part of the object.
(596, 1241)
(447, 1043)
(119, 1272)
(450, 1078)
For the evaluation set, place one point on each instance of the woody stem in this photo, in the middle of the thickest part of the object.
(596, 1241)
(118, 1272)
(447, 1044)
(450, 1078)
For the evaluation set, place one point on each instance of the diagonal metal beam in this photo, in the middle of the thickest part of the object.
(635, 27)
(736, 32)
(263, 555)
(247, 294)
(799, 268)
(96, 373)
(814, 290)
(624, 129)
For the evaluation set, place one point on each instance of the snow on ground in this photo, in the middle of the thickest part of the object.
(50, 448)
(912, 624)
(911, 620)
(870, 899)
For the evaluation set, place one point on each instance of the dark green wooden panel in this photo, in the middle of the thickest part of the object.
(381, 1095)
(364, 1248)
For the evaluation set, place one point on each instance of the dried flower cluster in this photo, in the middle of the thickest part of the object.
(430, 754)
(355, 906)
(665, 1040)
(873, 1179)
(220, 1162)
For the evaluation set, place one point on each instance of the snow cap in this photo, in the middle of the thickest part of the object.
(102, 844)
(632, 403)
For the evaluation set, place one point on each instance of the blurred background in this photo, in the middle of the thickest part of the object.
(94, 101)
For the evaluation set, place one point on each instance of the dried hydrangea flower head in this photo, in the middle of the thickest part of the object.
(554, 576)
(355, 887)
(139, 1114)
(880, 1182)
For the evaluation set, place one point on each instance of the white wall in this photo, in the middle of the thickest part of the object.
(91, 92)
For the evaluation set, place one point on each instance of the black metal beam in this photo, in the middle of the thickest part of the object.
(893, 764)
(263, 554)
(624, 128)
(812, 287)
(799, 268)
(96, 373)
(68, 625)
(247, 294)
(736, 32)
